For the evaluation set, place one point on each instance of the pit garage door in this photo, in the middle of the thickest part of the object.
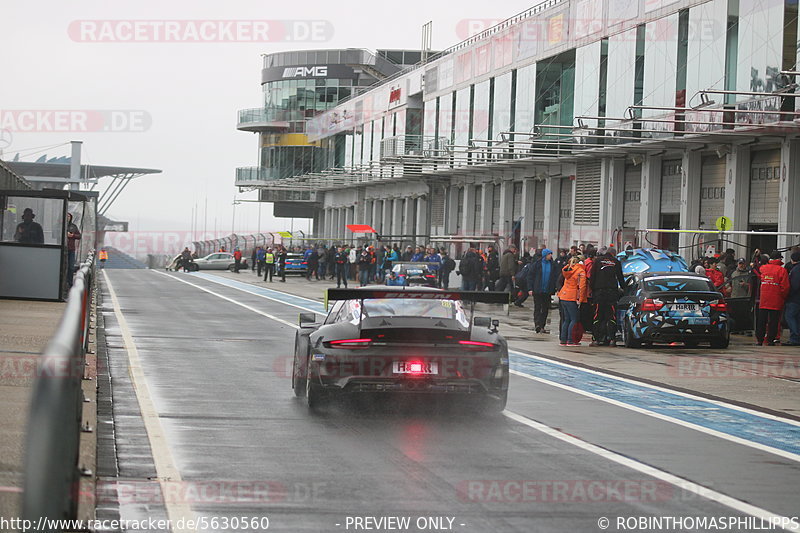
(587, 193)
(712, 191)
(633, 196)
(765, 184)
(671, 186)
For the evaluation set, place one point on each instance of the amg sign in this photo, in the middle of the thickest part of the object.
(305, 72)
(296, 72)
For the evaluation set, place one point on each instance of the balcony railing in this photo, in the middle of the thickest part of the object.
(413, 145)
(253, 176)
(264, 119)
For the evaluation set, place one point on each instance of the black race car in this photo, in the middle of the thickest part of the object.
(673, 307)
(398, 340)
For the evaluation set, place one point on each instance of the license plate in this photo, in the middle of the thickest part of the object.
(705, 321)
(684, 307)
(415, 367)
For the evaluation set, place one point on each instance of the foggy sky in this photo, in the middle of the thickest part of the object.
(190, 90)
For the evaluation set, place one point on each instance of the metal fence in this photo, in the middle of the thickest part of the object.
(54, 423)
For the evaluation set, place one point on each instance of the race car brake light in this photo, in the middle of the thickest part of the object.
(350, 343)
(720, 305)
(429, 276)
(650, 304)
(478, 345)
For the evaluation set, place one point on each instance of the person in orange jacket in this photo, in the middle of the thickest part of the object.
(571, 296)
(774, 290)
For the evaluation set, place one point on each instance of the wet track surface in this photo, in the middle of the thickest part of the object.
(219, 378)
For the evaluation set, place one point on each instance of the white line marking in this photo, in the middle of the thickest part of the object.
(554, 362)
(686, 485)
(231, 300)
(681, 483)
(166, 469)
(663, 389)
(640, 410)
(261, 295)
(719, 434)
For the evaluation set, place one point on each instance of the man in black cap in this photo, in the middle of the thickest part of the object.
(740, 279)
(606, 281)
(28, 231)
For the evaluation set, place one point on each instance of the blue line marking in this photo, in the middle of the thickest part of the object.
(748, 426)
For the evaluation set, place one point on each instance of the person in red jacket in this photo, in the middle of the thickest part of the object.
(716, 276)
(237, 259)
(774, 290)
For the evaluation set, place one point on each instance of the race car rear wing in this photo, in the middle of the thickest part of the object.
(417, 294)
(470, 297)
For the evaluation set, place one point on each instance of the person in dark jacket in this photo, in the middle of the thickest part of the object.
(281, 256)
(342, 262)
(493, 273)
(312, 264)
(470, 270)
(606, 282)
(521, 279)
(448, 265)
(507, 270)
(542, 285)
(773, 293)
(792, 309)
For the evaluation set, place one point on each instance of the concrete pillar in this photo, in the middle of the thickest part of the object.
(612, 198)
(397, 216)
(737, 194)
(410, 216)
(505, 224)
(451, 210)
(690, 198)
(468, 219)
(375, 220)
(75, 166)
(386, 222)
(552, 200)
(486, 191)
(528, 207)
(789, 195)
(422, 225)
(650, 205)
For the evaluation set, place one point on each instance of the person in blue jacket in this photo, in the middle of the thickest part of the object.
(542, 278)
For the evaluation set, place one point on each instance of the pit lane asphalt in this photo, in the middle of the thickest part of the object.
(219, 378)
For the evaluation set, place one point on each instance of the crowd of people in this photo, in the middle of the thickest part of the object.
(772, 286)
(588, 281)
(362, 264)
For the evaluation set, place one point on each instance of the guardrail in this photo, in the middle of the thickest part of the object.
(54, 422)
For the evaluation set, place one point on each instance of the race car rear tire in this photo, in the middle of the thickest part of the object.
(299, 376)
(627, 336)
(721, 344)
(314, 395)
(298, 381)
(495, 405)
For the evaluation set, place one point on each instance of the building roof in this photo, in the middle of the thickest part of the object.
(62, 170)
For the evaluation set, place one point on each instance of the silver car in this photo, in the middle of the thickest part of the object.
(216, 261)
